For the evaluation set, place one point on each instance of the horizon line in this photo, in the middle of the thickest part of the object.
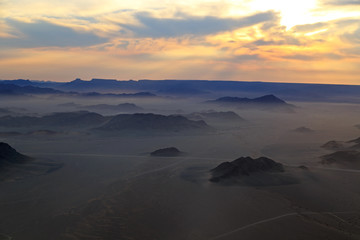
(204, 80)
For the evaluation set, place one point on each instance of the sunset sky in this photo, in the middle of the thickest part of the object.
(251, 40)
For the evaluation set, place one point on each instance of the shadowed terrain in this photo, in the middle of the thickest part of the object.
(171, 170)
(166, 152)
(267, 102)
(154, 122)
(15, 166)
(246, 170)
(346, 154)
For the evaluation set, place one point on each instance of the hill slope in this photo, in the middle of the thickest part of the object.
(149, 121)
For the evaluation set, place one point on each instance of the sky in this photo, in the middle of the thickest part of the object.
(312, 41)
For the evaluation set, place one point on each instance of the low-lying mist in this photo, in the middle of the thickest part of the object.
(108, 186)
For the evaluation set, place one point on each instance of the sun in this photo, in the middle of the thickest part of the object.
(292, 12)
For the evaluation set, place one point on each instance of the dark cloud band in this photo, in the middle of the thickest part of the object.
(169, 27)
(45, 34)
(342, 2)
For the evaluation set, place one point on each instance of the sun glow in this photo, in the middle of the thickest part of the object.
(213, 39)
(292, 12)
(316, 32)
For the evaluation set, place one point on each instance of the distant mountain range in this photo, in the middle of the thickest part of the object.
(121, 122)
(150, 121)
(289, 91)
(65, 119)
(96, 94)
(267, 99)
(10, 88)
(228, 116)
(13, 89)
(266, 102)
(122, 107)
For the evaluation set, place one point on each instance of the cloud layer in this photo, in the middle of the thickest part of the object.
(45, 34)
(171, 27)
(342, 2)
(251, 40)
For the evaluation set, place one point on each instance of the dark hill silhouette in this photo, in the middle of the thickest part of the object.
(69, 104)
(267, 99)
(290, 91)
(93, 85)
(19, 82)
(95, 121)
(120, 95)
(342, 145)
(149, 121)
(244, 166)
(345, 158)
(9, 155)
(166, 152)
(8, 89)
(303, 130)
(12, 89)
(80, 118)
(333, 145)
(122, 107)
(65, 119)
(214, 115)
(253, 172)
(267, 102)
(16, 166)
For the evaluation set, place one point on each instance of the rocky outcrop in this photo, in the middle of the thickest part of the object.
(166, 152)
(244, 166)
(9, 155)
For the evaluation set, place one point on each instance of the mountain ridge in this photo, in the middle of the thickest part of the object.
(291, 91)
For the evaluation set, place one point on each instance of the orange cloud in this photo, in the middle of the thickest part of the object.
(61, 40)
